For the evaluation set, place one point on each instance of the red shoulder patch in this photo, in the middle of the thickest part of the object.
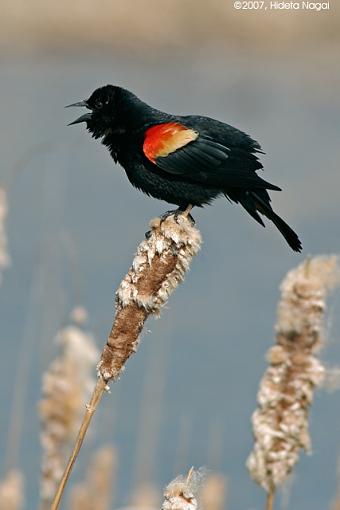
(162, 139)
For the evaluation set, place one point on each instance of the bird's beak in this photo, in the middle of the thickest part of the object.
(80, 103)
(83, 118)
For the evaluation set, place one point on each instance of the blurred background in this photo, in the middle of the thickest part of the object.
(74, 222)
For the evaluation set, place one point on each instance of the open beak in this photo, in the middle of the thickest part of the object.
(80, 103)
(83, 118)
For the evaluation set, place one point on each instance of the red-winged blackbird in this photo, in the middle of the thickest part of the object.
(185, 160)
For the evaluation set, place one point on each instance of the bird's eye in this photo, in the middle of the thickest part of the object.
(101, 102)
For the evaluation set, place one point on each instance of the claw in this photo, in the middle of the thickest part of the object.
(176, 213)
(191, 219)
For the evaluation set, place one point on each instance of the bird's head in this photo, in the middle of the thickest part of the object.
(102, 116)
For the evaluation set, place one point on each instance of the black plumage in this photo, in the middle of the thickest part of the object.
(184, 160)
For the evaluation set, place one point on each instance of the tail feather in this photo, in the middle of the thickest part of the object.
(248, 203)
(262, 205)
(288, 233)
(258, 201)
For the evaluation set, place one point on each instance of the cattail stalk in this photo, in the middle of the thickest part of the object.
(159, 265)
(280, 422)
(270, 499)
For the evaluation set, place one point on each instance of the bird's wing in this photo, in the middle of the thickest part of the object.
(177, 149)
(182, 151)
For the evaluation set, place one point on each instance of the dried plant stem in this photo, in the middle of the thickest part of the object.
(90, 410)
(270, 499)
(159, 266)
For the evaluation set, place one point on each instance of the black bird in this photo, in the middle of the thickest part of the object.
(185, 160)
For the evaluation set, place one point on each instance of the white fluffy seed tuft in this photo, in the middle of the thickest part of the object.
(280, 422)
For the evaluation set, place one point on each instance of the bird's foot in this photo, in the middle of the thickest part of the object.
(179, 212)
(176, 214)
(192, 220)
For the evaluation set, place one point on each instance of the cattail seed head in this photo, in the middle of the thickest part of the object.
(280, 423)
(66, 387)
(182, 492)
(158, 267)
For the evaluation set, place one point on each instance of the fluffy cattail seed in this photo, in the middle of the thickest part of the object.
(280, 423)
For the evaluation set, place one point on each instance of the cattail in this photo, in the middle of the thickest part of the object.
(4, 256)
(96, 491)
(158, 267)
(66, 387)
(214, 492)
(182, 493)
(160, 264)
(280, 423)
(12, 491)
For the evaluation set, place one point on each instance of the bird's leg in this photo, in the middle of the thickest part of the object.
(164, 216)
(187, 214)
(185, 211)
(174, 213)
(181, 211)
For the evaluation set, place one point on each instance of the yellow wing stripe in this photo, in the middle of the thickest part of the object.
(163, 139)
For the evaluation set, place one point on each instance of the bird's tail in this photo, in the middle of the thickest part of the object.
(258, 201)
(288, 233)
